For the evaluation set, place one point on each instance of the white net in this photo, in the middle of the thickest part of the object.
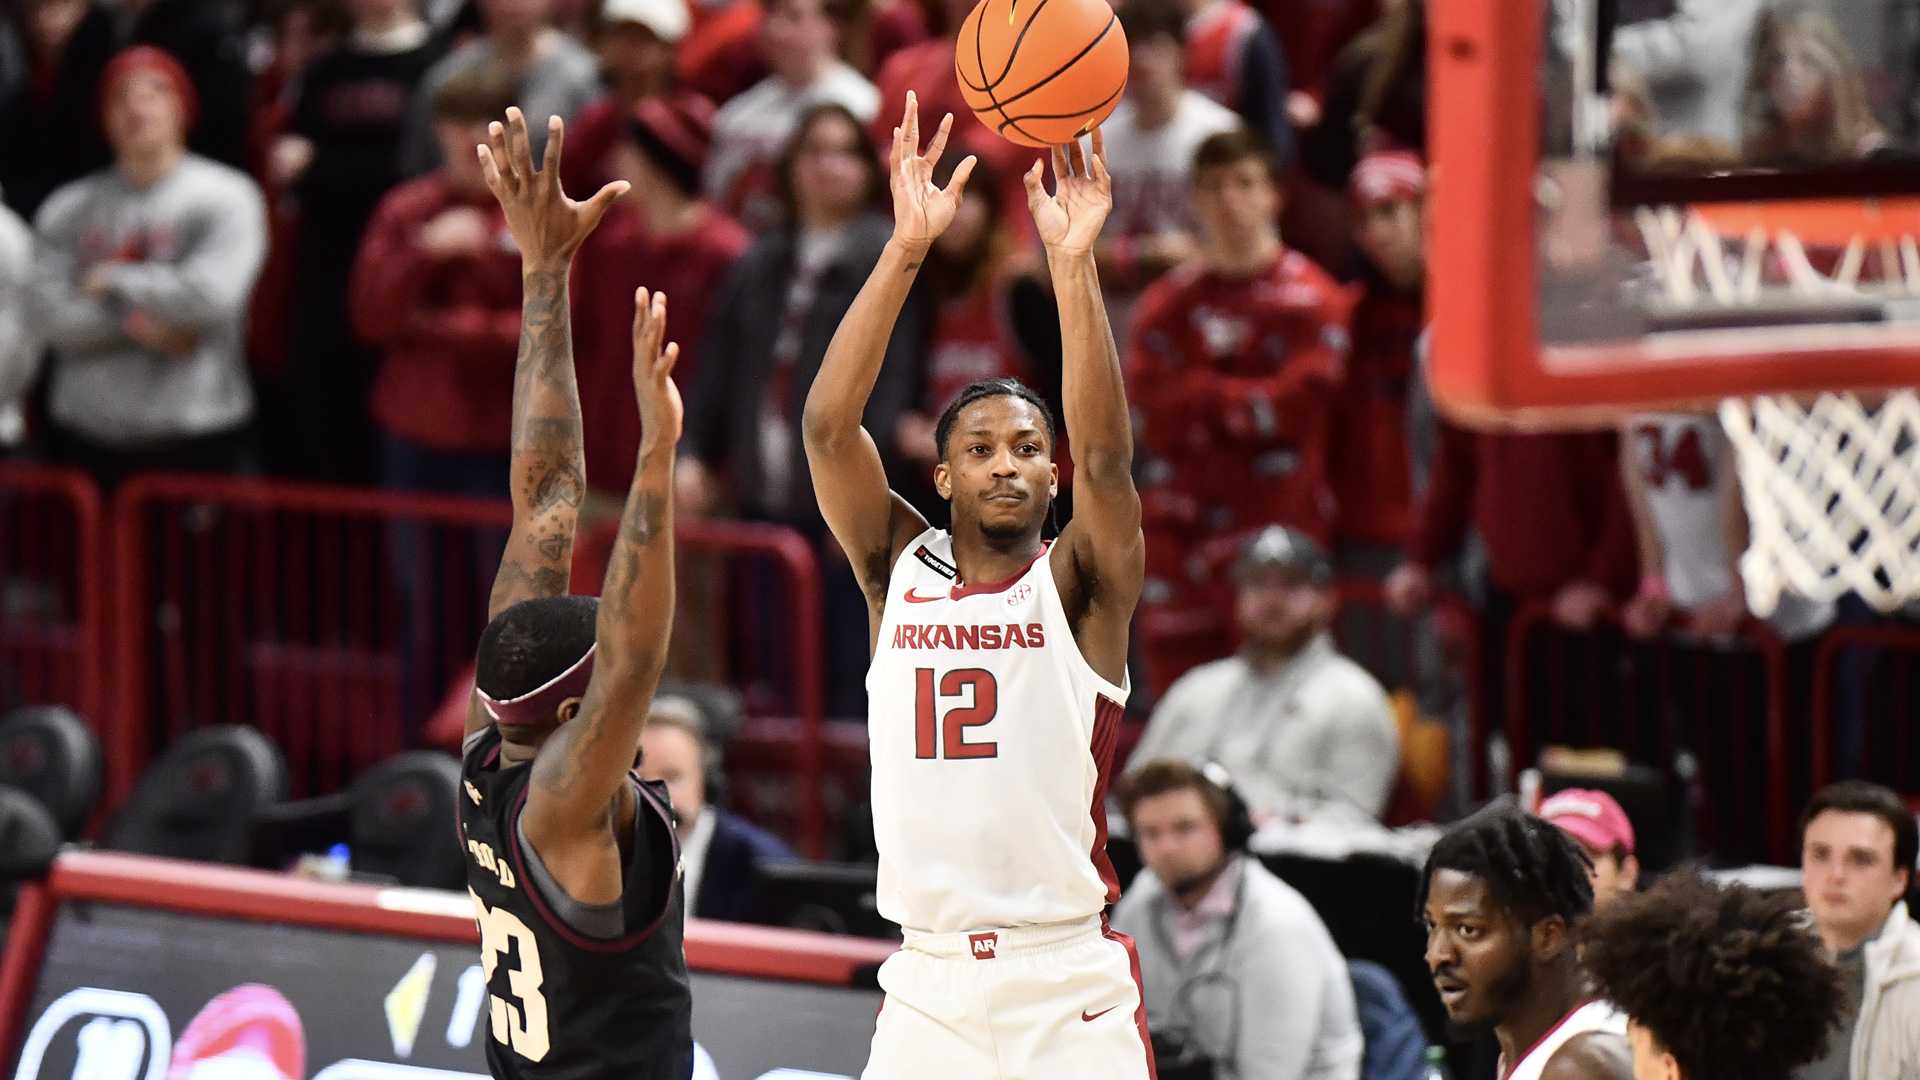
(1832, 485)
(1832, 491)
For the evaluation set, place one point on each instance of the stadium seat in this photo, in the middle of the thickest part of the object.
(49, 752)
(199, 800)
(403, 821)
(29, 839)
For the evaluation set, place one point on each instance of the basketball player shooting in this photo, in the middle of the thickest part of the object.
(573, 862)
(999, 666)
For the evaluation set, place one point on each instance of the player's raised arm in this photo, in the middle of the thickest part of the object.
(871, 523)
(547, 477)
(1104, 541)
(581, 770)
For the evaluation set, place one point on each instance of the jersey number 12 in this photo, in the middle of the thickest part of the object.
(981, 694)
(522, 1026)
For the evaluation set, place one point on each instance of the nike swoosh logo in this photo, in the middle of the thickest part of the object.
(913, 599)
(1091, 1017)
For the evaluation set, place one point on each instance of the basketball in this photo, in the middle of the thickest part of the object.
(1041, 72)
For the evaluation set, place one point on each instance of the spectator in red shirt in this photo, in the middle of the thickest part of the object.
(1372, 486)
(1549, 509)
(635, 40)
(436, 291)
(1245, 348)
(1243, 352)
(663, 236)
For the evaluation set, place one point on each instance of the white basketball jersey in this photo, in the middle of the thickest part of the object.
(1593, 1016)
(991, 741)
(1687, 462)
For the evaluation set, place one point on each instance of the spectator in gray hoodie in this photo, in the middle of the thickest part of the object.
(142, 278)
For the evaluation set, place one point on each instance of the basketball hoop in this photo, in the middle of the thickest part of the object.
(1832, 483)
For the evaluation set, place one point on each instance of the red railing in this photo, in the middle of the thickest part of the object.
(53, 613)
(330, 618)
(1866, 679)
(335, 619)
(1597, 689)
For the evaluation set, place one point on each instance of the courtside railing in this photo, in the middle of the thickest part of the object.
(1722, 705)
(1866, 696)
(335, 620)
(53, 590)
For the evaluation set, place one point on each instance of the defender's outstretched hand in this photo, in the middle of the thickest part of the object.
(548, 226)
(653, 387)
(921, 210)
(1069, 220)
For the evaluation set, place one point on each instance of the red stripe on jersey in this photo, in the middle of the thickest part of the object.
(1106, 733)
(1140, 1012)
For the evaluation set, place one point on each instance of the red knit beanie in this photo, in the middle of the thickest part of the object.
(146, 58)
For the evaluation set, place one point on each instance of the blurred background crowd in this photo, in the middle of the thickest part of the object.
(250, 239)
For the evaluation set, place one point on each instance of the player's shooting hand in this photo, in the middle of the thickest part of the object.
(1069, 220)
(547, 226)
(921, 209)
(653, 387)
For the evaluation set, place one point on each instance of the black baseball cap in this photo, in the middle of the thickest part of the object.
(1280, 547)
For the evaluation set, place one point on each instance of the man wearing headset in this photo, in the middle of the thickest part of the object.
(1242, 979)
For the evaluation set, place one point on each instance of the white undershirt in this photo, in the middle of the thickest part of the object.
(693, 853)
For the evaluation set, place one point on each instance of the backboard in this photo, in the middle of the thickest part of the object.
(1720, 201)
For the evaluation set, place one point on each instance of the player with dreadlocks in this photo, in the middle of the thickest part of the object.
(1500, 897)
(1717, 983)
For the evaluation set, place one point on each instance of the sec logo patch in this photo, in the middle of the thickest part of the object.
(1020, 594)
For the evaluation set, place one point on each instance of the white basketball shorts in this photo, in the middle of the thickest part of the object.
(1054, 1002)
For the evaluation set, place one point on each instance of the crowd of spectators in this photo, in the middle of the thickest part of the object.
(250, 237)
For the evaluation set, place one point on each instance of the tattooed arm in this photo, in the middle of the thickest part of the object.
(579, 796)
(548, 472)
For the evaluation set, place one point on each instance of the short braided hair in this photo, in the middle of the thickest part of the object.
(1531, 868)
(981, 390)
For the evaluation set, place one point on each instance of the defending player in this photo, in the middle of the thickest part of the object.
(1716, 982)
(999, 667)
(1500, 896)
(574, 868)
